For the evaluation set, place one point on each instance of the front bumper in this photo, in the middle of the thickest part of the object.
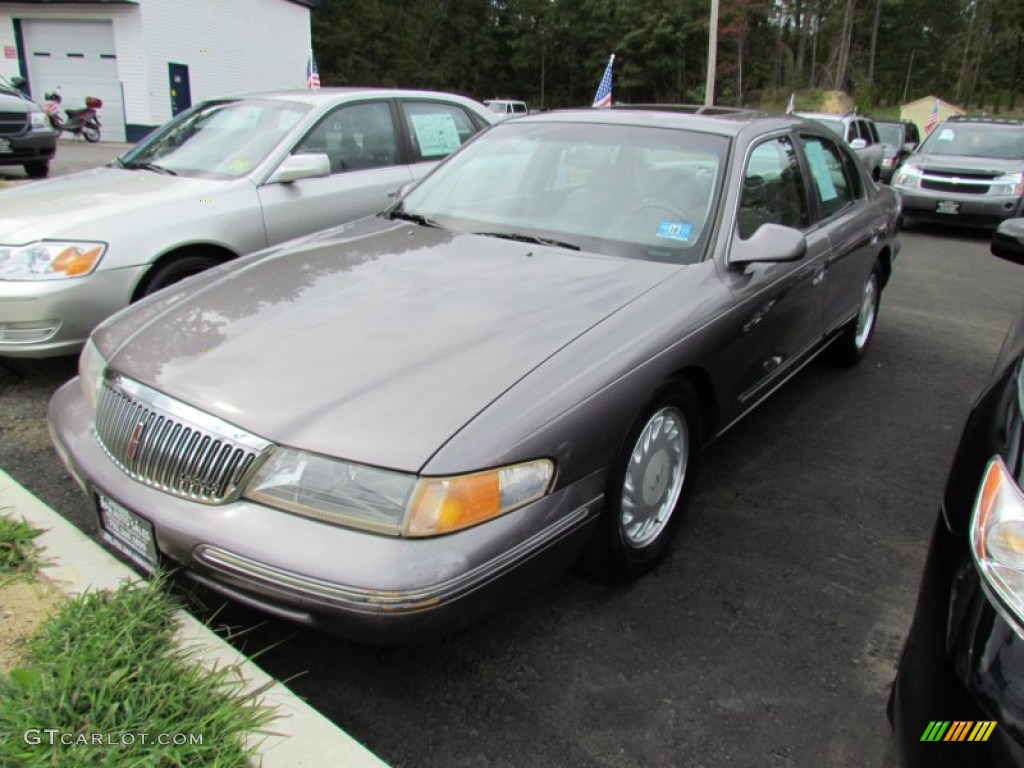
(971, 209)
(368, 587)
(55, 317)
(29, 148)
(963, 661)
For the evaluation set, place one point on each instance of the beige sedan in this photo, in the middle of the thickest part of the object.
(226, 178)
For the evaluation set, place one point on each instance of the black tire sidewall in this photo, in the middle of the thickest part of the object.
(163, 275)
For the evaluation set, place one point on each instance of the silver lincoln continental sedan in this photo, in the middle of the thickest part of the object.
(386, 428)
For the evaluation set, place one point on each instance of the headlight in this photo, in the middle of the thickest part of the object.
(39, 121)
(997, 536)
(908, 176)
(91, 366)
(393, 503)
(1010, 185)
(49, 260)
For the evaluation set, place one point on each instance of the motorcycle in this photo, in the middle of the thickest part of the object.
(78, 122)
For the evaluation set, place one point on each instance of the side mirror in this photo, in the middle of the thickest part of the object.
(298, 167)
(1008, 241)
(858, 144)
(770, 243)
(910, 146)
(402, 191)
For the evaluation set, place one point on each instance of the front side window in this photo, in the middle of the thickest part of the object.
(218, 140)
(354, 137)
(832, 170)
(437, 129)
(773, 189)
(637, 192)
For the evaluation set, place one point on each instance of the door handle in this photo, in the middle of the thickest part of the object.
(819, 277)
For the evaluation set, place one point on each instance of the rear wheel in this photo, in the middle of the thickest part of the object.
(170, 272)
(647, 489)
(855, 338)
(91, 133)
(37, 170)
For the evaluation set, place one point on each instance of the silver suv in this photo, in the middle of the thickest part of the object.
(969, 171)
(860, 133)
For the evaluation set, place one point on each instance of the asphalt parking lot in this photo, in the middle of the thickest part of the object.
(769, 636)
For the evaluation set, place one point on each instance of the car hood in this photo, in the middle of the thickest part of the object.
(376, 348)
(81, 205)
(990, 167)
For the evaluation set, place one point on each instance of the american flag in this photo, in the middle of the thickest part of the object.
(933, 119)
(603, 97)
(312, 76)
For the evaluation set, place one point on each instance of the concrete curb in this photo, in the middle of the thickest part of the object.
(302, 736)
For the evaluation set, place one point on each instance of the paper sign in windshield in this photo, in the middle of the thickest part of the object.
(821, 171)
(675, 230)
(436, 134)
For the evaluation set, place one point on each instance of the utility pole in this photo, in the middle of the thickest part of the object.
(709, 87)
(910, 66)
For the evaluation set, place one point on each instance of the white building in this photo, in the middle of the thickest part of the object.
(149, 59)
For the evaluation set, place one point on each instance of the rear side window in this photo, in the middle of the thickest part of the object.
(836, 181)
(436, 129)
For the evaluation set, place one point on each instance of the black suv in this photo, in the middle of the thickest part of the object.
(899, 139)
(26, 136)
(969, 171)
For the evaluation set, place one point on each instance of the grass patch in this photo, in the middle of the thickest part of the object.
(19, 554)
(107, 675)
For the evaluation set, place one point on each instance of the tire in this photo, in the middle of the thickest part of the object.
(648, 488)
(37, 170)
(855, 338)
(162, 275)
(91, 133)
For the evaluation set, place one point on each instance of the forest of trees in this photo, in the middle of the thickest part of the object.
(552, 52)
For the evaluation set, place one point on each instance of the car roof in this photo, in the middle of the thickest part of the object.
(325, 95)
(832, 116)
(727, 121)
(985, 119)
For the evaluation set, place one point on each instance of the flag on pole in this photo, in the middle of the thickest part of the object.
(933, 119)
(312, 76)
(603, 97)
(791, 107)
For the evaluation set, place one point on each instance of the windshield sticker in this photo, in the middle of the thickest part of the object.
(239, 165)
(946, 134)
(820, 170)
(675, 230)
(436, 134)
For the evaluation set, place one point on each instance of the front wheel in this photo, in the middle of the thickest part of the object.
(647, 490)
(855, 338)
(37, 170)
(185, 265)
(91, 133)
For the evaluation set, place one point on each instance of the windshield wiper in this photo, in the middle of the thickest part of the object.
(520, 238)
(415, 218)
(149, 167)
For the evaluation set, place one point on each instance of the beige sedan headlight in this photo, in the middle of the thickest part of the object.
(49, 260)
(394, 503)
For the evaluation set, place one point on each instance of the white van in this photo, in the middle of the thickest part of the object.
(506, 108)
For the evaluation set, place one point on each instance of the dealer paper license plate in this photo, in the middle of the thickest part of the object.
(5, 146)
(128, 533)
(947, 206)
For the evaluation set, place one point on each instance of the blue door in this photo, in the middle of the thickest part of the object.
(181, 91)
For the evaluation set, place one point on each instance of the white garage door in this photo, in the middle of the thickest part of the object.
(79, 56)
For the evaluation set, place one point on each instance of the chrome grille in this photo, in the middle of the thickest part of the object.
(172, 446)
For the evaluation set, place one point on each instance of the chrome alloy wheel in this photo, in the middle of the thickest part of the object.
(654, 478)
(868, 312)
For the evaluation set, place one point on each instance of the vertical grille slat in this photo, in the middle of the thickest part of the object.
(171, 446)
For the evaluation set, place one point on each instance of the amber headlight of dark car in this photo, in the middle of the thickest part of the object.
(394, 503)
(997, 538)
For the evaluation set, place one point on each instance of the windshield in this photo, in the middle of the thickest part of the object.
(222, 140)
(1005, 142)
(639, 192)
(890, 133)
(496, 106)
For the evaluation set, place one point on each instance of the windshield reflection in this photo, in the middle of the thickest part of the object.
(221, 140)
